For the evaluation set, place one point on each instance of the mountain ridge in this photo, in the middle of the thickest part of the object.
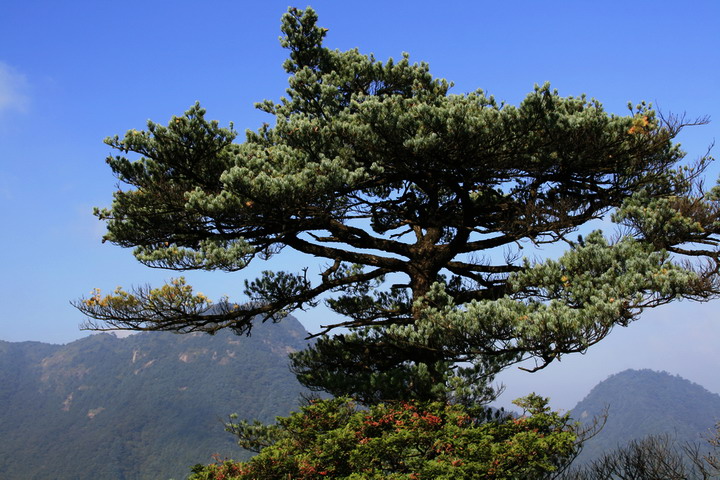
(647, 402)
(150, 405)
(144, 406)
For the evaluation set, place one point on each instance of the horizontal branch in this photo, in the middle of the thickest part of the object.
(389, 263)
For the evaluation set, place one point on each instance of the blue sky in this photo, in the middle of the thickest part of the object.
(74, 72)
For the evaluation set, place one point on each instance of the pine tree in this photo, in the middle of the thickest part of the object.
(419, 202)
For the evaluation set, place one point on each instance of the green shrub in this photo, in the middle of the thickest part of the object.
(403, 440)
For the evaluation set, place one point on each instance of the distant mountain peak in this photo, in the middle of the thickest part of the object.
(145, 406)
(647, 402)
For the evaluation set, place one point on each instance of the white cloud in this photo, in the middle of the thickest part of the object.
(13, 89)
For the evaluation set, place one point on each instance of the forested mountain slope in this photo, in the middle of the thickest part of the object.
(150, 405)
(143, 407)
(645, 402)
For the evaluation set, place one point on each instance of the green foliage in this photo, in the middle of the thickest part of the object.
(409, 193)
(405, 440)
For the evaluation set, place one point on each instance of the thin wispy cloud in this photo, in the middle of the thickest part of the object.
(13, 90)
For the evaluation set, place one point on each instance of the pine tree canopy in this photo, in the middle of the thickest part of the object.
(419, 202)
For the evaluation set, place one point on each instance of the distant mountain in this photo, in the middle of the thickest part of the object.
(645, 402)
(148, 406)
(151, 405)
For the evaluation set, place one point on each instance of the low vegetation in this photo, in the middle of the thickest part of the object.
(402, 441)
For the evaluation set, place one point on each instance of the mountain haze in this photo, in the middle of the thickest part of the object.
(151, 405)
(143, 407)
(646, 402)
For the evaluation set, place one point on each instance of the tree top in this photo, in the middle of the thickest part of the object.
(409, 193)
